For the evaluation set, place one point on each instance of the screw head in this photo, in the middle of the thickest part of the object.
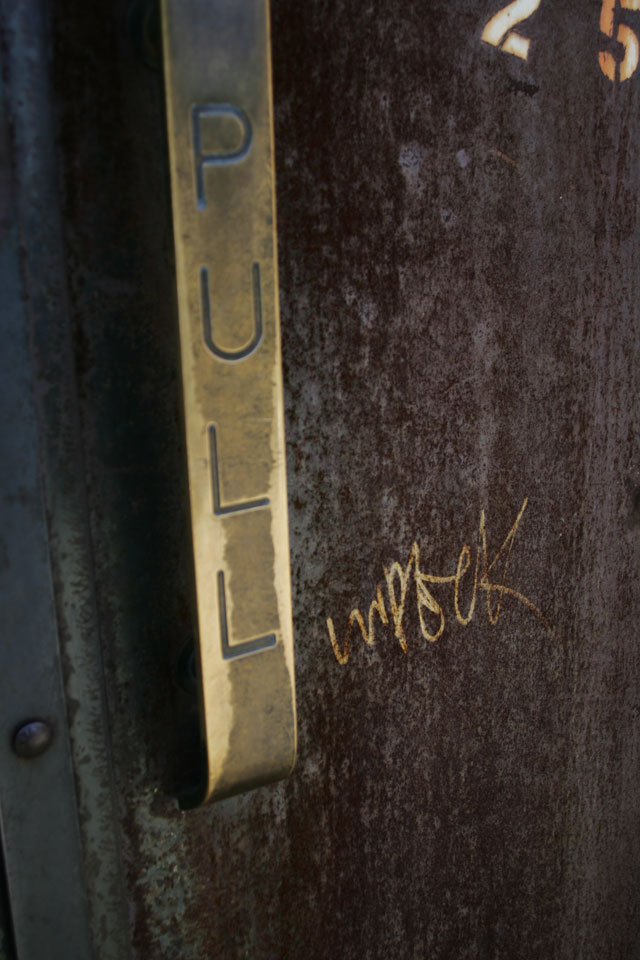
(32, 738)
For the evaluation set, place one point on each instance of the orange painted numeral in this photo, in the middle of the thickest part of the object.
(499, 30)
(624, 35)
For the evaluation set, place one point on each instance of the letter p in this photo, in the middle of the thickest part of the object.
(213, 112)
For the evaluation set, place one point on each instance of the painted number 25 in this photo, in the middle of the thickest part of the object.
(499, 32)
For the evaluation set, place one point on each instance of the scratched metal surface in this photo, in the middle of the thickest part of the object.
(458, 242)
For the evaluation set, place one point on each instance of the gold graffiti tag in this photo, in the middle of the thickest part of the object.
(488, 577)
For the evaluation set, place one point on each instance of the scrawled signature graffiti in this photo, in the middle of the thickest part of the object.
(489, 578)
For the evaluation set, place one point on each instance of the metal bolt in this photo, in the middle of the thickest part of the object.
(32, 738)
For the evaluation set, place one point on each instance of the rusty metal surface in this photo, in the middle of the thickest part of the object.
(458, 268)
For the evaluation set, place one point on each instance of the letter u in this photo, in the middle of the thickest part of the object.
(207, 323)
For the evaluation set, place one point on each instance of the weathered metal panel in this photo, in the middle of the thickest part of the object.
(458, 265)
(41, 863)
(7, 948)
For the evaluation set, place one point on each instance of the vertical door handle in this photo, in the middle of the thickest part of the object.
(220, 128)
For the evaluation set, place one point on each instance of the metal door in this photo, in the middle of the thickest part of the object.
(457, 204)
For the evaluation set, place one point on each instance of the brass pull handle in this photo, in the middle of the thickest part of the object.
(219, 110)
